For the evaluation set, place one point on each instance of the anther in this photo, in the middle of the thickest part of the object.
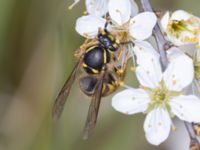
(173, 128)
(197, 46)
(174, 82)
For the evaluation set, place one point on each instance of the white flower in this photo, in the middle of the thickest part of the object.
(97, 7)
(160, 93)
(130, 27)
(195, 55)
(181, 27)
(124, 26)
(100, 7)
(88, 26)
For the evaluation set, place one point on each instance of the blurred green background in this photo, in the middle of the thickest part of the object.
(37, 42)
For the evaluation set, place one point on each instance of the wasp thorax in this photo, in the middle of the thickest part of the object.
(95, 58)
(108, 41)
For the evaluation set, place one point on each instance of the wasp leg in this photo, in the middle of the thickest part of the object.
(108, 21)
(121, 69)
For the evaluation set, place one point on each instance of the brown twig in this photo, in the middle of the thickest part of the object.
(160, 40)
(161, 43)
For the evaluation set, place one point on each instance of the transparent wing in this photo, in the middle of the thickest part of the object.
(64, 93)
(94, 108)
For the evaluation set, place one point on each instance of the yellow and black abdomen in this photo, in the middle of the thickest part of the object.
(88, 84)
(95, 58)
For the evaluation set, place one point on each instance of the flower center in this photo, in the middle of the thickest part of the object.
(190, 28)
(175, 27)
(160, 97)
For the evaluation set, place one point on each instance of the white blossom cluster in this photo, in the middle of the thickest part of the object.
(162, 95)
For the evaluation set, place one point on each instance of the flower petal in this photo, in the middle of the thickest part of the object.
(120, 11)
(134, 8)
(180, 71)
(157, 126)
(180, 15)
(141, 26)
(145, 52)
(186, 108)
(174, 40)
(88, 26)
(164, 21)
(131, 101)
(97, 7)
(148, 71)
(174, 53)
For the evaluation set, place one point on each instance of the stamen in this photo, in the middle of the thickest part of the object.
(197, 46)
(73, 4)
(130, 50)
(126, 86)
(118, 11)
(174, 82)
(173, 126)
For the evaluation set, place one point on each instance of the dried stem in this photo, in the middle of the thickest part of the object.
(194, 141)
(160, 40)
(161, 43)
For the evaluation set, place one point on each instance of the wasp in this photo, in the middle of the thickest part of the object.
(103, 62)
